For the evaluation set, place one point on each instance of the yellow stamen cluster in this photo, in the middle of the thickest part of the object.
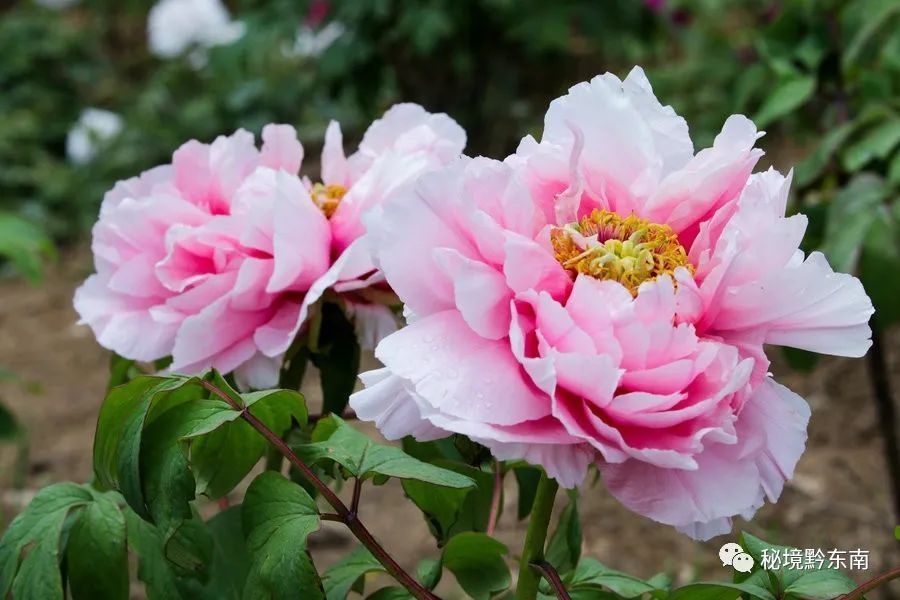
(629, 250)
(327, 197)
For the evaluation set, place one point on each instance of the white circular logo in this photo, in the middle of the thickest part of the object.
(728, 552)
(742, 563)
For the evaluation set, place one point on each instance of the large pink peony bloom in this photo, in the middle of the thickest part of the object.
(216, 258)
(604, 297)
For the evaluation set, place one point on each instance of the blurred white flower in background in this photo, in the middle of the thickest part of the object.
(94, 128)
(56, 4)
(312, 42)
(173, 26)
(312, 37)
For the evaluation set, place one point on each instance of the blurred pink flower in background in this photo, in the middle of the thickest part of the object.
(318, 11)
(216, 258)
(603, 296)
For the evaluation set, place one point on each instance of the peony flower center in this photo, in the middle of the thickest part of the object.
(327, 197)
(630, 250)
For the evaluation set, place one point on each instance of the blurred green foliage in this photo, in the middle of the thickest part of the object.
(821, 76)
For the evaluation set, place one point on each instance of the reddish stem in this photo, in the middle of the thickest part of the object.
(357, 490)
(870, 585)
(552, 577)
(495, 498)
(344, 514)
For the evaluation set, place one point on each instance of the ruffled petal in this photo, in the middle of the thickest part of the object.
(387, 401)
(460, 373)
(714, 177)
(729, 480)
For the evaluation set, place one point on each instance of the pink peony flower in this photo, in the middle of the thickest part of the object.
(604, 297)
(217, 258)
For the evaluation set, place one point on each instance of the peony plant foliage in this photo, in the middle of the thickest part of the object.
(591, 312)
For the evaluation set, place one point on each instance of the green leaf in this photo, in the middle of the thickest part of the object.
(881, 255)
(661, 581)
(139, 449)
(123, 415)
(527, 478)
(893, 171)
(432, 451)
(24, 245)
(850, 216)
(167, 483)
(429, 571)
(391, 593)
(564, 547)
(153, 568)
(821, 585)
(97, 557)
(9, 426)
(477, 562)
(452, 511)
(788, 577)
(877, 143)
(221, 459)
(787, 96)
(340, 578)
(278, 516)
(337, 358)
(39, 576)
(812, 167)
(229, 561)
(720, 591)
(39, 525)
(121, 371)
(338, 442)
(591, 574)
(877, 14)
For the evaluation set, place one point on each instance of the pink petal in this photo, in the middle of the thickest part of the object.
(481, 294)
(274, 337)
(409, 128)
(335, 170)
(806, 306)
(213, 331)
(529, 266)
(403, 234)
(729, 480)
(258, 373)
(300, 258)
(281, 149)
(123, 323)
(390, 405)
(714, 177)
(620, 161)
(388, 176)
(460, 373)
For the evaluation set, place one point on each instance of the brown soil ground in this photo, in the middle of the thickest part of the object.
(839, 498)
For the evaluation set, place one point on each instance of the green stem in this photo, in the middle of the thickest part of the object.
(529, 577)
